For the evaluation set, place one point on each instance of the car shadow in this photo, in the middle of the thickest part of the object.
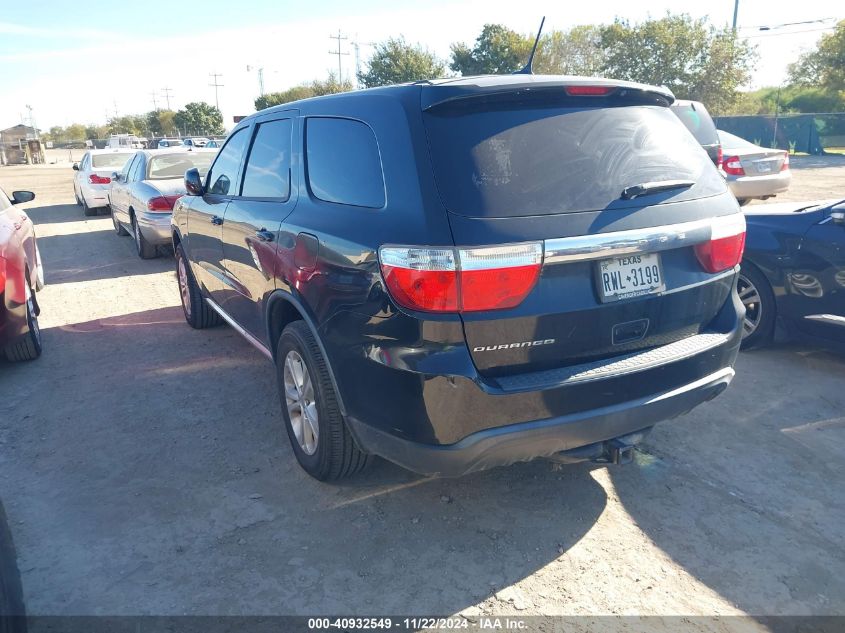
(11, 596)
(57, 213)
(162, 453)
(741, 491)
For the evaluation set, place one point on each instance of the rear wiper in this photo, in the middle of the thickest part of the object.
(634, 191)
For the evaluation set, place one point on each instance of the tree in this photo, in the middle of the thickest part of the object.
(93, 131)
(694, 60)
(316, 88)
(396, 61)
(161, 122)
(577, 51)
(128, 124)
(824, 67)
(497, 50)
(199, 118)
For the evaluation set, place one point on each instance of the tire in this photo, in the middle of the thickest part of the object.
(198, 313)
(118, 227)
(760, 310)
(11, 593)
(145, 249)
(743, 201)
(303, 377)
(28, 346)
(76, 195)
(88, 211)
(39, 276)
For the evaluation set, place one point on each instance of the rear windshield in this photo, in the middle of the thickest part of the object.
(111, 161)
(175, 165)
(729, 141)
(521, 161)
(697, 120)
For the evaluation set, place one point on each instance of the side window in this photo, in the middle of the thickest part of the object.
(137, 168)
(268, 166)
(224, 171)
(127, 168)
(343, 162)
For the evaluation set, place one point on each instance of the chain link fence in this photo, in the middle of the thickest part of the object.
(808, 133)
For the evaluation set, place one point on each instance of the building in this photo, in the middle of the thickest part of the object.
(20, 145)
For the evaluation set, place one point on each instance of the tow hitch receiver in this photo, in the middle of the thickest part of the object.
(619, 450)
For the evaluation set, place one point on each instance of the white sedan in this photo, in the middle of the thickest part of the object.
(93, 177)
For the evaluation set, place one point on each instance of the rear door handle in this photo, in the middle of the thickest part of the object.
(264, 235)
(216, 221)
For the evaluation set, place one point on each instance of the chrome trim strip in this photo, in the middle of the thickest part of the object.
(832, 319)
(619, 243)
(249, 337)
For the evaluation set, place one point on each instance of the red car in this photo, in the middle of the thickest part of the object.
(21, 276)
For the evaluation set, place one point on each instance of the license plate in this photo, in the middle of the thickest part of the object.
(764, 167)
(631, 276)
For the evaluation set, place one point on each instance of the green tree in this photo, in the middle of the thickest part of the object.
(161, 122)
(396, 61)
(577, 51)
(316, 88)
(497, 50)
(93, 131)
(199, 118)
(693, 59)
(823, 67)
(128, 124)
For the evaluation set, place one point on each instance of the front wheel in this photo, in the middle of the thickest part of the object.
(28, 346)
(318, 434)
(756, 295)
(198, 313)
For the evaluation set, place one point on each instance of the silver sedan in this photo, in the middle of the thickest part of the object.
(143, 192)
(753, 171)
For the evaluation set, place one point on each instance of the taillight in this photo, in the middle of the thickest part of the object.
(785, 165)
(2, 274)
(162, 204)
(589, 91)
(732, 166)
(727, 242)
(94, 179)
(719, 155)
(461, 279)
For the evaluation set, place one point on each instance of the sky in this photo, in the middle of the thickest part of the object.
(84, 62)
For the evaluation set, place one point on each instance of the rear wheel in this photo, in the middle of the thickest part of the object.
(756, 295)
(198, 313)
(318, 435)
(118, 227)
(28, 346)
(144, 248)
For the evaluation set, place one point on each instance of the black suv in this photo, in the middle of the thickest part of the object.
(463, 273)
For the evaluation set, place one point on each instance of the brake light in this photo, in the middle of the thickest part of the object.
(785, 165)
(719, 155)
(726, 245)
(589, 91)
(94, 179)
(162, 204)
(2, 275)
(461, 279)
(732, 166)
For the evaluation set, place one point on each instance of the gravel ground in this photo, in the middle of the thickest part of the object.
(144, 470)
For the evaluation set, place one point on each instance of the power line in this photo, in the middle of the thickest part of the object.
(750, 37)
(167, 92)
(338, 52)
(216, 86)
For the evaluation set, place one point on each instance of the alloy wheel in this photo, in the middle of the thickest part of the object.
(301, 403)
(184, 290)
(31, 316)
(750, 297)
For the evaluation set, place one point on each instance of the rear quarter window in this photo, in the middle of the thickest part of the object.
(343, 162)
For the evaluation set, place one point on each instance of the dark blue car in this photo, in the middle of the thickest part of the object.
(793, 271)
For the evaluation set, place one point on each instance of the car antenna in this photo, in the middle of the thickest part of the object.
(528, 68)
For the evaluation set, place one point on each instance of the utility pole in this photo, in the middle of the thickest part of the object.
(736, 12)
(339, 54)
(167, 92)
(155, 103)
(216, 86)
(32, 121)
(260, 70)
(357, 46)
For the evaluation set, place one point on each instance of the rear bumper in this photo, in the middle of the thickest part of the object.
(155, 227)
(759, 186)
(96, 196)
(528, 440)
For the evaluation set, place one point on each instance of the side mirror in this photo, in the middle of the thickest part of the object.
(115, 176)
(193, 182)
(75, 167)
(838, 217)
(19, 197)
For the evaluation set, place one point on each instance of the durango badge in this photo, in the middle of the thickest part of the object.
(494, 348)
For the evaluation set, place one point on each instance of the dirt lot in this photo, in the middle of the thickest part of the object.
(144, 470)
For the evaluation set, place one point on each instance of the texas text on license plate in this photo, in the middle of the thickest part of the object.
(631, 276)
